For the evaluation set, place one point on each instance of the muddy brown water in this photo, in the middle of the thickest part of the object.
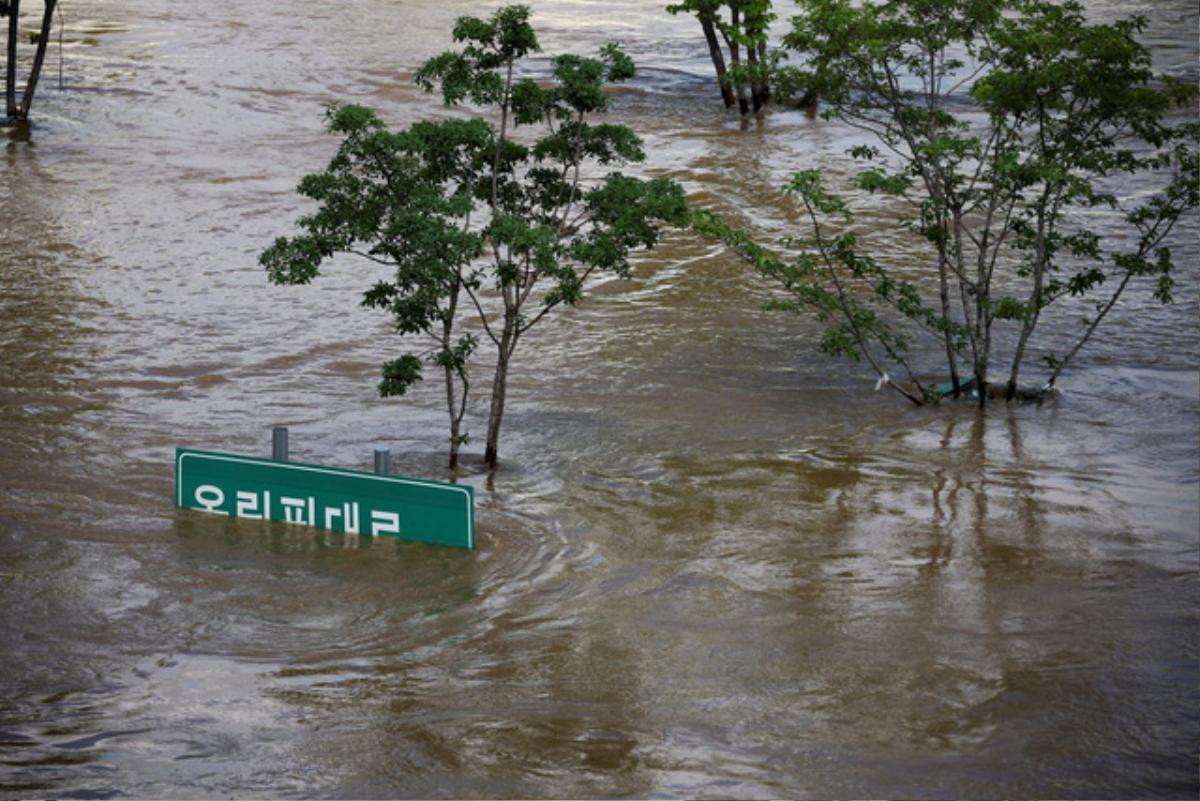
(713, 562)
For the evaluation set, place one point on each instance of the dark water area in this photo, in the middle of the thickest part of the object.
(713, 563)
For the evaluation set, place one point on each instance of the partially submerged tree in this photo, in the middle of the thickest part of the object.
(403, 201)
(1003, 190)
(547, 225)
(739, 28)
(19, 112)
(461, 213)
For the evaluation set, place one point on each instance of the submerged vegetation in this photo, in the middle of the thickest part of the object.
(999, 190)
(736, 34)
(487, 224)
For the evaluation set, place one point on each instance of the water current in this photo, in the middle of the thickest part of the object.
(713, 563)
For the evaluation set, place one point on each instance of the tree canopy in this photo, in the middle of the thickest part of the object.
(462, 212)
(1000, 125)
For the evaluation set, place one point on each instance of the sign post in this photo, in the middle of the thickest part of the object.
(330, 498)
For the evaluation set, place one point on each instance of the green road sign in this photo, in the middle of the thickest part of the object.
(349, 501)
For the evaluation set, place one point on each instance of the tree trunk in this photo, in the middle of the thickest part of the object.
(944, 291)
(981, 362)
(982, 341)
(1103, 312)
(10, 75)
(735, 56)
(756, 90)
(43, 40)
(1018, 357)
(718, 60)
(1035, 299)
(454, 419)
(951, 358)
(508, 342)
(756, 55)
(764, 89)
(983, 336)
(447, 335)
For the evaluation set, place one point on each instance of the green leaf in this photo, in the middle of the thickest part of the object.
(399, 375)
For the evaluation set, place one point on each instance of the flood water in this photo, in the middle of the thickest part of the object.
(712, 563)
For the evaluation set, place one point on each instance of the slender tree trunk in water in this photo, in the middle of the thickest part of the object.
(764, 89)
(982, 341)
(1019, 356)
(508, 339)
(10, 75)
(756, 88)
(1103, 312)
(43, 40)
(718, 60)
(756, 57)
(981, 364)
(950, 355)
(983, 346)
(944, 289)
(454, 421)
(735, 56)
(508, 342)
(1035, 300)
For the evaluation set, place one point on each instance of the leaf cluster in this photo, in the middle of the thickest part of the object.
(547, 227)
(397, 199)
(476, 72)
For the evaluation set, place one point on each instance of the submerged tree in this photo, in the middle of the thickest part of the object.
(741, 27)
(547, 225)
(19, 112)
(463, 214)
(1002, 190)
(400, 200)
